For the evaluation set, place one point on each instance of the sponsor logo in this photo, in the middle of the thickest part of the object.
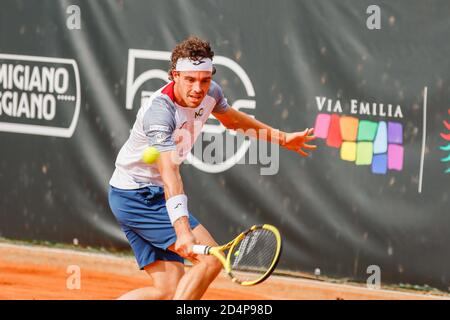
(199, 113)
(179, 204)
(198, 62)
(378, 144)
(39, 95)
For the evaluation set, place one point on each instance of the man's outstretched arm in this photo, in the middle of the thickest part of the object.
(173, 190)
(237, 120)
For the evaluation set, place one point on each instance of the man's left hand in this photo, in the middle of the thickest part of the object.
(297, 141)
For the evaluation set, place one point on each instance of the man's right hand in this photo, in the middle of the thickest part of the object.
(185, 238)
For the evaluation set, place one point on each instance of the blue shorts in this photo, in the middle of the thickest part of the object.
(143, 217)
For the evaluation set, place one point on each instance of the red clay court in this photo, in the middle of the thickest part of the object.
(40, 273)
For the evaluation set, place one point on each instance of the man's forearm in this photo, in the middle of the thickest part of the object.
(243, 123)
(257, 129)
(182, 226)
(173, 187)
(170, 175)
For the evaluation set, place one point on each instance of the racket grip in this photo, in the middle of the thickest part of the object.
(200, 249)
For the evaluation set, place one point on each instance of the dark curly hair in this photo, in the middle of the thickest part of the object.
(193, 48)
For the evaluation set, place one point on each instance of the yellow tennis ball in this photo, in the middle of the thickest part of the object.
(150, 155)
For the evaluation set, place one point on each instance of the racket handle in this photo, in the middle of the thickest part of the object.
(200, 249)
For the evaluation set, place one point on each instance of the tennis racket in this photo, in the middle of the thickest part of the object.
(252, 256)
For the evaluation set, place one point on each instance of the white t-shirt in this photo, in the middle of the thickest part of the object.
(158, 123)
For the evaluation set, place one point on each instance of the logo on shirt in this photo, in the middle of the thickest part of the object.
(199, 113)
(161, 138)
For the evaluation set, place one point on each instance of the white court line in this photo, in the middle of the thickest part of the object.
(424, 137)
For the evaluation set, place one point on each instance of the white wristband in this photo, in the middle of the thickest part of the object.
(177, 207)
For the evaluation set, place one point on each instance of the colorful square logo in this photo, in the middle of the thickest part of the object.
(446, 146)
(366, 143)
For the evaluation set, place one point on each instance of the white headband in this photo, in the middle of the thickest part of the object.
(186, 64)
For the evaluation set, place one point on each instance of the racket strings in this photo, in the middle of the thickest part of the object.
(253, 255)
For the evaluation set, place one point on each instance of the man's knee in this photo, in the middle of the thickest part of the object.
(168, 290)
(166, 276)
(167, 285)
(212, 265)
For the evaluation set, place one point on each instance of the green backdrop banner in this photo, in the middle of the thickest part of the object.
(74, 73)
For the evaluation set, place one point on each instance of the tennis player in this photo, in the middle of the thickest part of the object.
(148, 200)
